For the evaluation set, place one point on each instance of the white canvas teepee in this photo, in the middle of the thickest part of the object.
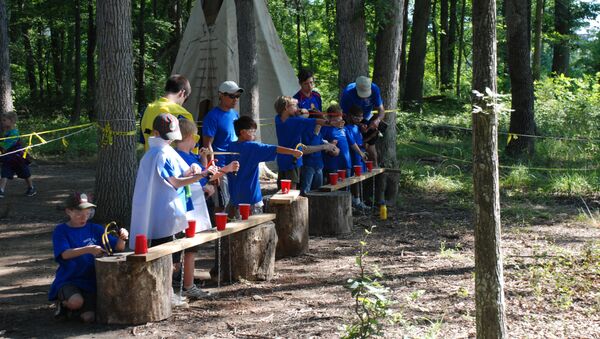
(209, 55)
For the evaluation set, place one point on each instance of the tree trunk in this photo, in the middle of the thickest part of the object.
(435, 33)
(246, 26)
(40, 63)
(562, 51)
(308, 44)
(386, 75)
(403, 52)
(91, 63)
(330, 15)
(57, 61)
(352, 41)
(132, 293)
(537, 45)
(451, 45)
(413, 92)
(519, 45)
(115, 174)
(292, 227)
(6, 100)
(489, 281)
(141, 64)
(175, 15)
(77, 99)
(461, 45)
(30, 64)
(329, 213)
(444, 45)
(68, 69)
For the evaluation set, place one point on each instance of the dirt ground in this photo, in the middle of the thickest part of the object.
(424, 250)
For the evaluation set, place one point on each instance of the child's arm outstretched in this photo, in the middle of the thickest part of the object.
(289, 151)
(327, 147)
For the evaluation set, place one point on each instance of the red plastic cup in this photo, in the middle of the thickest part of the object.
(333, 178)
(342, 174)
(190, 231)
(221, 219)
(369, 165)
(245, 211)
(357, 170)
(286, 184)
(141, 244)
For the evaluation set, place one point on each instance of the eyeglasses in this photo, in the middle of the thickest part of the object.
(233, 96)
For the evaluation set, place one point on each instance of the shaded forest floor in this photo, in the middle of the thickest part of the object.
(424, 250)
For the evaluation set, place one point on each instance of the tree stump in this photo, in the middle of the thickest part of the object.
(330, 213)
(292, 227)
(133, 292)
(252, 254)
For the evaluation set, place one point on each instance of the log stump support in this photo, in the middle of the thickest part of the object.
(133, 292)
(330, 213)
(292, 227)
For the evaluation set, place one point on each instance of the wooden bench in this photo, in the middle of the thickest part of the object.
(136, 288)
(330, 210)
(291, 223)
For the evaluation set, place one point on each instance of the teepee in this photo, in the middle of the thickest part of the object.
(208, 55)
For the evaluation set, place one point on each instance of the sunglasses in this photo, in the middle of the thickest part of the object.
(233, 96)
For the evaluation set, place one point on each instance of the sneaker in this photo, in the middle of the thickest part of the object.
(31, 191)
(177, 301)
(1, 194)
(195, 292)
(61, 312)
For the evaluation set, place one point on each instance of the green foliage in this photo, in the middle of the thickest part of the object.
(371, 303)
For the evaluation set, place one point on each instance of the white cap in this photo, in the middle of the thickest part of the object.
(363, 86)
(230, 87)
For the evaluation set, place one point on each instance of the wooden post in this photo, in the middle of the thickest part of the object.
(292, 227)
(252, 254)
(133, 292)
(330, 213)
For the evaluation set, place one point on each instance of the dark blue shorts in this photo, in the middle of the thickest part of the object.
(9, 169)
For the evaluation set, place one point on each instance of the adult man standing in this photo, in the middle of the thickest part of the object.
(177, 90)
(218, 131)
(365, 94)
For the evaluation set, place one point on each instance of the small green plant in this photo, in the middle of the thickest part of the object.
(371, 303)
(415, 295)
(449, 252)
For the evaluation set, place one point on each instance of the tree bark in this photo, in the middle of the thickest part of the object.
(175, 15)
(292, 227)
(91, 63)
(40, 64)
(435, 33)
(521, 80)
(6, 100)
(115, 174)
(451, 45)
(329, 213)
(246, 26)
(386, 75)
(413, 92)
(352, 41)
(77, 99)
(562, 51)
(461, 44)
(57, 60)
(489, 281)
(141, 63)
(30, 63)
(403, 52)
(444, 44)
(537, 45)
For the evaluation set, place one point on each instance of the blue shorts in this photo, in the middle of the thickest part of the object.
(9, 169)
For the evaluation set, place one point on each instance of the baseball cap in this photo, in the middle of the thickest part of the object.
(79, 201)
(230, 87)
(363, 86)
(167, 126)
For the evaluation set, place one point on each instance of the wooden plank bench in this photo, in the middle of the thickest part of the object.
(136, 288)
(291, 223)
(330, 210)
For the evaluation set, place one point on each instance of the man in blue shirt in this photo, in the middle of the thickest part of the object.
(365, 94)
(218, 132)
(308, 98)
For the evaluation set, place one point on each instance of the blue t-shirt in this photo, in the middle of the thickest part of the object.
(342, 160)
(289, 134)
(314, 160)
(218, 124)
(169, 171)
(191, 158)
(311, 103)
(79, 271)
(355, 137)
(351, 98)
(245, 187)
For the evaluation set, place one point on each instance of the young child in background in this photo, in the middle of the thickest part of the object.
(77, 243)
(341, 160)
(13, 163)
(311, 173)
(159, 198)
(200, 213)
(245, 187)
(358, 154)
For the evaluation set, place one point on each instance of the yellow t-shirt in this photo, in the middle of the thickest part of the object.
(158, 107)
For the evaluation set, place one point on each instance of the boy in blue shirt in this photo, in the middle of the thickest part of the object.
(245, 187)
(77, 243)
(289, 128)
(340, 161)
(14, 162)
(308, 99)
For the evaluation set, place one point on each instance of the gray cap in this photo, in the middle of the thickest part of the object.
(167, 126)
(363, 86)
(230, 87)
